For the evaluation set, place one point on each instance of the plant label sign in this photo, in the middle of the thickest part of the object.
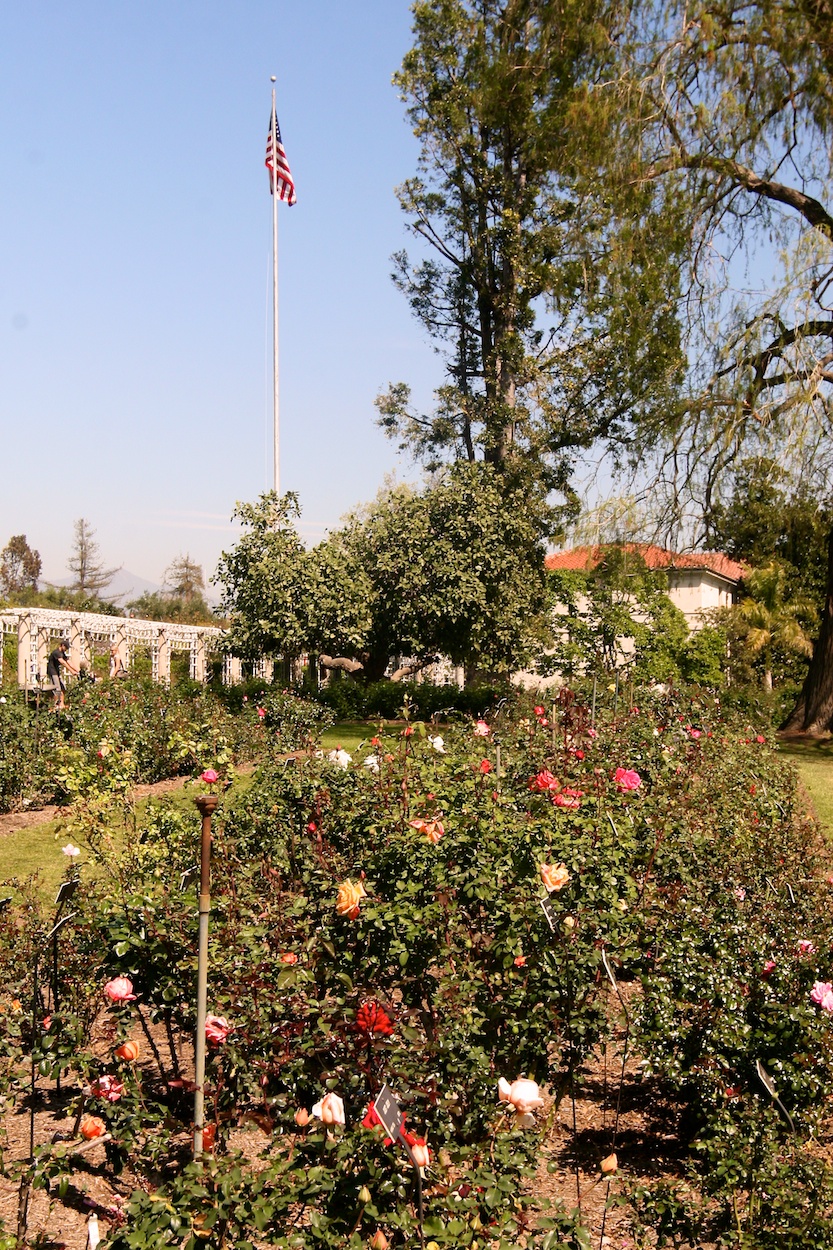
(549, 911)
(387, 1109)
(66, 891)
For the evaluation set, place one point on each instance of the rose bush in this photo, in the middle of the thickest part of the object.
(427, 962)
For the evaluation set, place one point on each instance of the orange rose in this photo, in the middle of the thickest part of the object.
(349, 896)
(609, 1165)
(91, 1126)
(289, 957)
(129, 1051)
(554, 876)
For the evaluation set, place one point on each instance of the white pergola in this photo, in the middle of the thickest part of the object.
(38, 630)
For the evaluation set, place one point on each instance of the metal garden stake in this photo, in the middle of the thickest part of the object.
(206, 804)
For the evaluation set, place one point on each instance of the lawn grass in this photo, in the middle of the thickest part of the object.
(814, 761)
(349, 734)
(37, 849)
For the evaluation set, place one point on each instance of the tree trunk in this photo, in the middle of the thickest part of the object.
(813, 713)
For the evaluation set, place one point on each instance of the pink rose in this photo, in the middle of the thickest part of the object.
(485, 766)
(822, 993)
(539, 711)
(481, 729)
(109, 1087)
(805, 948)
(626, 779)
(768, 967)
(544, 782)
(217, 1029)
(591, 733)
(209, 776)
(120, 990)
(261, 711)
(569, 799)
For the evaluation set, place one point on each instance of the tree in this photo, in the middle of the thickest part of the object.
(264, 581)
(730, 105)
(555, 314)
(456, 570)
(770, 517)
(91, 576)
(184, 578)
(772, 619)
(20, 567)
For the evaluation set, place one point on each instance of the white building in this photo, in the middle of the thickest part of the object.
(697, 581)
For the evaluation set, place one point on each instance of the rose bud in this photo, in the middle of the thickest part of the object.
(129, 1051)
(379, 1241)
(302, 1117)
(609, 1165)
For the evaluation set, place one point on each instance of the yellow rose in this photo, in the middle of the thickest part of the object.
(347, 901)
(554, 876)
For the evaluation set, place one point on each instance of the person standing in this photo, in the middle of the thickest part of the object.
(57, 661)
(117, 668)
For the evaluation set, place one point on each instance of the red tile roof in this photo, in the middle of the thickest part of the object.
(580, 559)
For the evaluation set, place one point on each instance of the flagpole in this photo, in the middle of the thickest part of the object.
(275, 370)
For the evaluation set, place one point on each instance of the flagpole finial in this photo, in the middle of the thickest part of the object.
(273, 78)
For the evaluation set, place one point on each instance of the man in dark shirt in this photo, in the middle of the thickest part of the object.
(57, 661)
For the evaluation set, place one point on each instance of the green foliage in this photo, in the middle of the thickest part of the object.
(455, 570)
(158, 606)
(263, 580)
(705, 657)
(767, 517)
(424, 700)
(554, 309)
(20, 567)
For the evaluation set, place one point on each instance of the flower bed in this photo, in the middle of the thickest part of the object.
(437, 918)
(121, 733)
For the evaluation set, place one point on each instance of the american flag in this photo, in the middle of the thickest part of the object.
(285, 184)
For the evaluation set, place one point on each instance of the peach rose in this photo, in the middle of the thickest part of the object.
(609, 1165)
(129, 1051)
(554, 876)
(91, 1126)
(348, 899)
(330, 1110)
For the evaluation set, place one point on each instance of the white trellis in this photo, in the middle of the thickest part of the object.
(38, 630)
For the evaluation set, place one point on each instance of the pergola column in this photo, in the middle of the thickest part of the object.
(198, 659)
(42, 652)
(232, 671)
(76, 642)
(163, 658)
(120, 642)
(24, 650)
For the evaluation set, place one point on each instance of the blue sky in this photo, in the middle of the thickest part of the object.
(135, 228)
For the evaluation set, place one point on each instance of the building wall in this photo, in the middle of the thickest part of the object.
(695, 591)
